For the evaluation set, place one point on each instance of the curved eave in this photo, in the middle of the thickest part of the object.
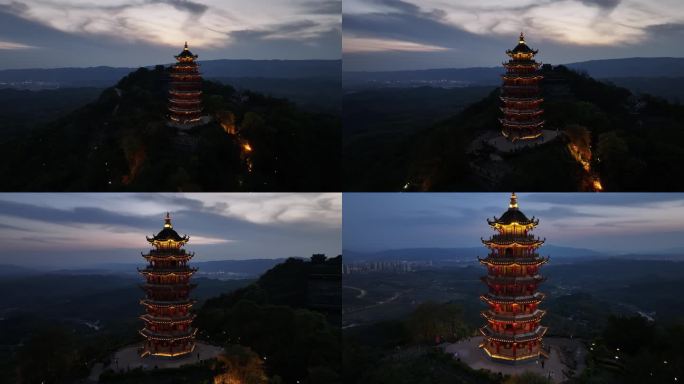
(168, 320)
(523, 318)
(503, 280)
(538, 334)
(494, 243)
(169, 304)
(157, 336)
(496, 222)
(536, 299)
(509, 262)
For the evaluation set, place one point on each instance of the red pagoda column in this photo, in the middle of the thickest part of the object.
(185, 91)
(513, 332)
(520, 94)
(168, 327)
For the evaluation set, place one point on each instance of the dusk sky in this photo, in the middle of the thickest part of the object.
(420, 34)
(80, 33)
(605, 222)
(70, 230)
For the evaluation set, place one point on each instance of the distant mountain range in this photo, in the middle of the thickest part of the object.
(662, 68)
(224, 68)
(223, 269)
(457, 255)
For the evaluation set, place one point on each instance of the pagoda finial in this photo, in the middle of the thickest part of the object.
(514, 201)
(522, 38)
(167, 221)
(186, 46)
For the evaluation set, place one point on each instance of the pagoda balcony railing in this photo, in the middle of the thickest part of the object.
(537, 333)
(185, 101)
(169, 287)
(531, 123)
(523, 75)
(167, 271)
(169, 252)
(185, 110)
(513, 279)
(509, 239)
(181, 92)
(512, 99)
(514, 318)
(520, 299)
(193, 82)
(168, 303)
(190, 333)
(514, 111)
(168, 319)
(519, 260)
(527, 87)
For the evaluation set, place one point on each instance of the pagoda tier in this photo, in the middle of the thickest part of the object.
(520, 94)
(185, 91)
(168, 327)
(513, 332)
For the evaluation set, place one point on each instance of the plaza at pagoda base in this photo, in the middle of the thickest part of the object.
(562, 358)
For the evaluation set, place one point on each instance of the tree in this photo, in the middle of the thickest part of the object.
(431, 322)
(241, 365)
(527, 378)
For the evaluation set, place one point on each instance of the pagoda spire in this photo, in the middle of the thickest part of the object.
(186, 45)
(167, 221)
(521, 40)
(514, 201)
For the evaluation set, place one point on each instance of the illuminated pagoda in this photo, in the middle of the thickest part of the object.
(520, 94)
(168, 327)
(185, 92)
(513, 332)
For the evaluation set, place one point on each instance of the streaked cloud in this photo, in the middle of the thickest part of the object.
(572, 30)
(360, 44)
(10, 45)
(221, 226)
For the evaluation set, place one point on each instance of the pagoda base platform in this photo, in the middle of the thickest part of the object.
(129, 358)
(557, 366)
(505, 145)
(184, 127)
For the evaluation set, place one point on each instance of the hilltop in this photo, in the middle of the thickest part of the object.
(120, 142)
(631, 142)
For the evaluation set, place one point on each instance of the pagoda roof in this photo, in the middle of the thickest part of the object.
(168, 233)
(538, 333)
(513, 215)
(513, 260)
(522, 47)
(186, 53)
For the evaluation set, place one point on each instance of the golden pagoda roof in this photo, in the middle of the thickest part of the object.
(168, 233)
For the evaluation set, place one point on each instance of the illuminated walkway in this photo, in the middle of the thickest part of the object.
(554, 367)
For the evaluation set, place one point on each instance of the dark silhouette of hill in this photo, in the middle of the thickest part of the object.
(284, 316)
(634, 140)
(120, 142)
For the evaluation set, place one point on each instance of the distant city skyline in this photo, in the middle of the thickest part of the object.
(613, 223)
(422, 34)
(132, 33)
(67, 230)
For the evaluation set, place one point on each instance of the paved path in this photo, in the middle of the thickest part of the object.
(469, 353)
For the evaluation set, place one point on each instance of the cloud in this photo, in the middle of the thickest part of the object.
(323, 7)
(360, 44)
(11, 46)
(184, 5)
